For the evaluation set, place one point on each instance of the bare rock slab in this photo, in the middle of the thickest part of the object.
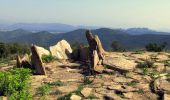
(120, 64)
(62, 50)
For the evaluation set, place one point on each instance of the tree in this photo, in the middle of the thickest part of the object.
(116, 46)
(4, 52)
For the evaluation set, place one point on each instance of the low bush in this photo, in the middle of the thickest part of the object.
(44, 90)
(146, 64)
(15, 84)
(47, 58)
(56, 83)
(87, 81)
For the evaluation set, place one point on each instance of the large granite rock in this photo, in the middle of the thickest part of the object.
(37, 62)
(62, 50)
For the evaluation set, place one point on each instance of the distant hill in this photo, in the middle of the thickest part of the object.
(106, 35)
(140, 31)
(51, 27)
(7, 35)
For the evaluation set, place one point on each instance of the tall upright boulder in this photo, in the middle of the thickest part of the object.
(37, 62)
(62, 50)
(18, 62)
(96, 51)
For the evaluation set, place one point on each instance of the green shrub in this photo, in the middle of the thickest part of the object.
(132, 83)
(44, 90)
(153, 47)
(56, 83)
(8, 49)
(140, 91)
(87, 81)
(48, 58)
(15, 83)
(91, 97)
(146, 64)
(116, 46)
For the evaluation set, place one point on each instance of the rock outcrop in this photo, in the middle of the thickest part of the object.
(62, 50)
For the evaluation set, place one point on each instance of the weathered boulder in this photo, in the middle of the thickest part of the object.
(42, 51)
(37, 62)
(161, 85)
(62, 50)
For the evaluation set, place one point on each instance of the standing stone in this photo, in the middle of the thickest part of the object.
(95, 59)
(100, 49)
(37, 62)
(96, 51)
(62, 50)
(91, 41)
(18, 62)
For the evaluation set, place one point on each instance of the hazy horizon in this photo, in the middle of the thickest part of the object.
(152, 14)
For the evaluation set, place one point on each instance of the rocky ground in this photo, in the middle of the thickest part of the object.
(128, 76)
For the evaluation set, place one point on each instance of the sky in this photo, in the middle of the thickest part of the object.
(154, 14)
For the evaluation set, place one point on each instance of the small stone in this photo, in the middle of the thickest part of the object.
(75, 97)
(86, 92)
